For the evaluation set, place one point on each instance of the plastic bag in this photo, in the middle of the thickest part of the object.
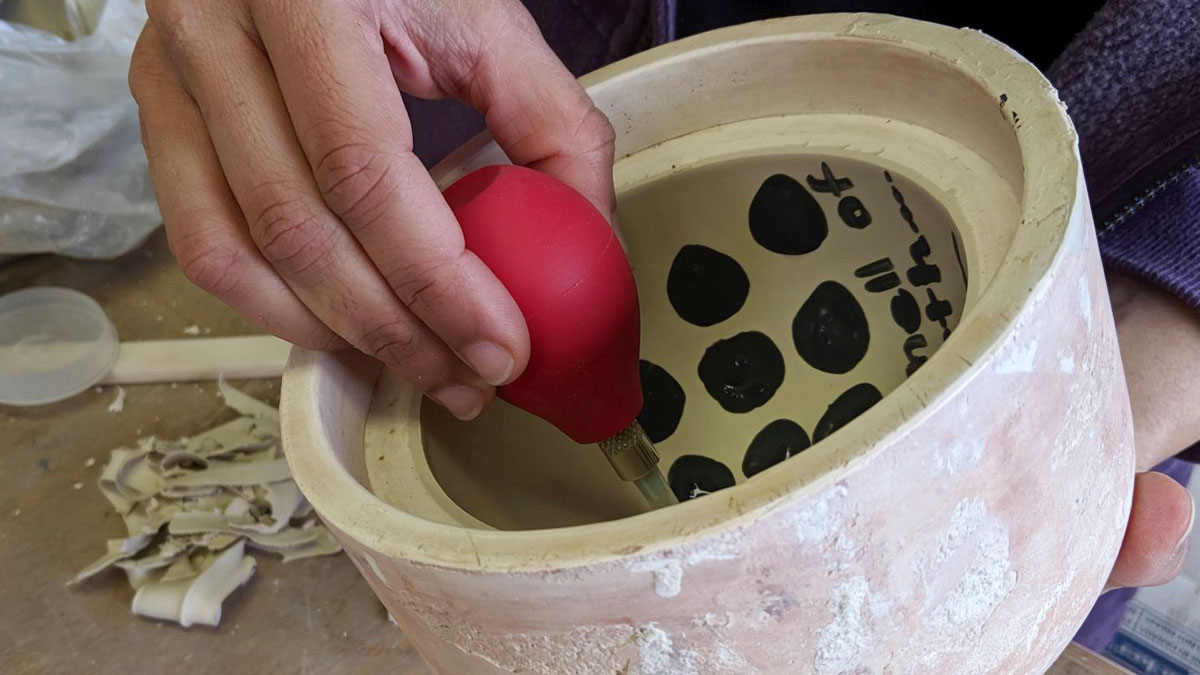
(73, 176)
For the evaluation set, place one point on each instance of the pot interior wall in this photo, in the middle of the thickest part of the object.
(782, 294)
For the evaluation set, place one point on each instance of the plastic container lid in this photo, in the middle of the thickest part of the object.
(54, 343)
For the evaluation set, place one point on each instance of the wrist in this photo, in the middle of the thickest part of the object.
(1160, 346)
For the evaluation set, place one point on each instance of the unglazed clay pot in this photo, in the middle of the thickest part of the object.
(860, 233)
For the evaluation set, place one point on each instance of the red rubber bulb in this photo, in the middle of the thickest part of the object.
(567, 271)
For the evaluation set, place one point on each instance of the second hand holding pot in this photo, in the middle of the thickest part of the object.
(564, 266)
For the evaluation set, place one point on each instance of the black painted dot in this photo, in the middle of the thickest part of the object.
(662, 402)
(706, 286)
(785, 218)
(693, 476)
(742, 372)
(830, 330)
(779, 440)
(853, 402)
(905, 311)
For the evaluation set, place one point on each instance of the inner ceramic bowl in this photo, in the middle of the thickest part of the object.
(807, 235)
(781, 296)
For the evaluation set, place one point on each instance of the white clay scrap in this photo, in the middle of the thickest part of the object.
(249, 406)
(192, 505)
(191, 600)
(118, 403)
(234, 473)
(118, 549)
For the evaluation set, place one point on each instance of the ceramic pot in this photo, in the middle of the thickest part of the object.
(880, 366)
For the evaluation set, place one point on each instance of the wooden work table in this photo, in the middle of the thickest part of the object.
(311, 616)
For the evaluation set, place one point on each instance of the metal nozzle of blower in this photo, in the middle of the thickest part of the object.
(633, 457)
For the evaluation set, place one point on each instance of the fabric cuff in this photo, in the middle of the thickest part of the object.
(1159, 242)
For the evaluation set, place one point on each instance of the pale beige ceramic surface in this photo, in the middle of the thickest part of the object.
(962, 525)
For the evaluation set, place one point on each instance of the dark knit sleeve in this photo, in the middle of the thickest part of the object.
(585, 34)
(1131, 81)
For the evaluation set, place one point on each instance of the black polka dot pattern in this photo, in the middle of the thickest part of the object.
(830, 330)
(853, 402)
(663, 401)
(861, 243)
(785, 218)
(742, 372)
(693, 476)
(779, 440)
(706, 286)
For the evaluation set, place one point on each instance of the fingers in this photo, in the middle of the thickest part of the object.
(204, 226)
(351, 123)
(1156, 542)
(303, 240)
(535, 109)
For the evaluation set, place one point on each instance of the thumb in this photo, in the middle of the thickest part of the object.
(537, 112)
(1156, 541)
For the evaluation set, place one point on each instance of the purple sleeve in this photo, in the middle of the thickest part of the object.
(1131, 81)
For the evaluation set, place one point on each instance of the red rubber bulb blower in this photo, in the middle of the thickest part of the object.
(563, 264)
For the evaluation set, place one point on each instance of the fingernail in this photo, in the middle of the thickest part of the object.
(491, 361)
(464, 403)
(1183, 541)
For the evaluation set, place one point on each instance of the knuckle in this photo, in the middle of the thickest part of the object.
(175, 19)
(186, 29)
(290, 234)
(594, 131)
(425, 282)
(212, 265)
(317, 338)
(501, 18)
(393, 342)
(160, 10)
(138, 80)
(356, 181)
(138, 86)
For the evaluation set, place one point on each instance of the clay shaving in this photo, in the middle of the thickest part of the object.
(192, 506)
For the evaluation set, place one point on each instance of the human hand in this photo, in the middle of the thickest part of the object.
(282, 159)
(1160, 347)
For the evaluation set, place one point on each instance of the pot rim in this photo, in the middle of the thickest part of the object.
(1047, 145)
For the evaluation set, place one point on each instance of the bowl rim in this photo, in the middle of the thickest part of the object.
(1047, 144)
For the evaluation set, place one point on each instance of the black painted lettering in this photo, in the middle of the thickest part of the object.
(906, 312)
(828, 183)
(874, 268)
(884, 283)
(853, 213)
(922, 273)
(915, 360)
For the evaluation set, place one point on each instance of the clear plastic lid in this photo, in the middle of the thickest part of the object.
(54, 343)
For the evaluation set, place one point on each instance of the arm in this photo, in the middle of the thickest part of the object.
(1131, 81)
